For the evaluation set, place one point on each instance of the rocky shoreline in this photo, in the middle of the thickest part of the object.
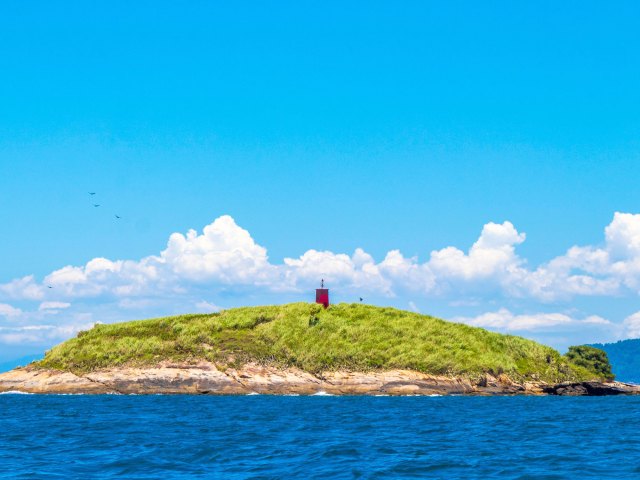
(207, 378)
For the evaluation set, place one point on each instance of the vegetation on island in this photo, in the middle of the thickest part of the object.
(592, 359)
(344, 336)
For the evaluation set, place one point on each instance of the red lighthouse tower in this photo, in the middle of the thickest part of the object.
(322, 295)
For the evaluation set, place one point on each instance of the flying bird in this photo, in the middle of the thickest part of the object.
(49, 286)
(96, 204)
(360, 298)
(92, 193)
(118, 216)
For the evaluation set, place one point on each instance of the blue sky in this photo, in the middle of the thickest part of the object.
(325, 127)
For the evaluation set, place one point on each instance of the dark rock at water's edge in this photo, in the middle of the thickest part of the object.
(591, 389)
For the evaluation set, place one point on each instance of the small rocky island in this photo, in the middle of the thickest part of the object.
(305, 349)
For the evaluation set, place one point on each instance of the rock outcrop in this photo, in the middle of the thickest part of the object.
(592, 389)
(31, 380)
(208, 378)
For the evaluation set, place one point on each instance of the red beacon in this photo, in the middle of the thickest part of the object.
(322, 295)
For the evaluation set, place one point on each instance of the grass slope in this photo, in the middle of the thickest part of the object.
(345, 336)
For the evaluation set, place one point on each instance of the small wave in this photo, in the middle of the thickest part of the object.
(322, 393)
(66, 394)
(422, 395)
(252, 393)
(16, 392)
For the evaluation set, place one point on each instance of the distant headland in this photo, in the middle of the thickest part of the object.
(302, 348)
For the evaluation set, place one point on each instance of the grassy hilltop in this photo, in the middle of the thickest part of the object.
(345, 336)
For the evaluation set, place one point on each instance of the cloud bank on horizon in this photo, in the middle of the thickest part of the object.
(195, 268)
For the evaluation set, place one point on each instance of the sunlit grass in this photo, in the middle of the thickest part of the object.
(345, 336)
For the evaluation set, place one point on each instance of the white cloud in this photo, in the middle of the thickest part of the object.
(7, 310)
(623, 236)
(22, 288)
(407, 273)
(504, 320)
(39, 334)
(225, 259)
(632, 326)
(352, 273)
(559, 329)
(492, 255)
(136, 303)
(44, 306)
(207, 307)
(224, 252)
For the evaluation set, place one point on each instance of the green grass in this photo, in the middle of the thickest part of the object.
(345, 336)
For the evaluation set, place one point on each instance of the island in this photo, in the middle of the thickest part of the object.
(305, 349)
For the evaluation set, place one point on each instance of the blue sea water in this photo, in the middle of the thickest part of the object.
(264, 437)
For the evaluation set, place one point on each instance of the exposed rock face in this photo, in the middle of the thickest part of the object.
(593, 389)
(207, 378)
(393, 382)
(168, 379)
(48, 381)
(271, 380)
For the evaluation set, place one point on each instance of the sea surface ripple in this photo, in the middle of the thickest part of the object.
(265, 437)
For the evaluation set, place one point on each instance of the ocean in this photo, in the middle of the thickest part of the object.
(274, 437)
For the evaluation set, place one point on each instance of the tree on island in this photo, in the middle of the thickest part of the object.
(592, 359)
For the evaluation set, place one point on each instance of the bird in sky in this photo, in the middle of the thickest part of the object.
(360, 298)
(92, 193)
(96, 204)
(49, 286)
(117, 216)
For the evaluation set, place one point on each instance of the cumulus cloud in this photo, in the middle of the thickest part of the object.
(225, 259)
(224, 252)
(610, 269)
(22, 288)
(225, 256)
(492, 255)
(356, 272)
